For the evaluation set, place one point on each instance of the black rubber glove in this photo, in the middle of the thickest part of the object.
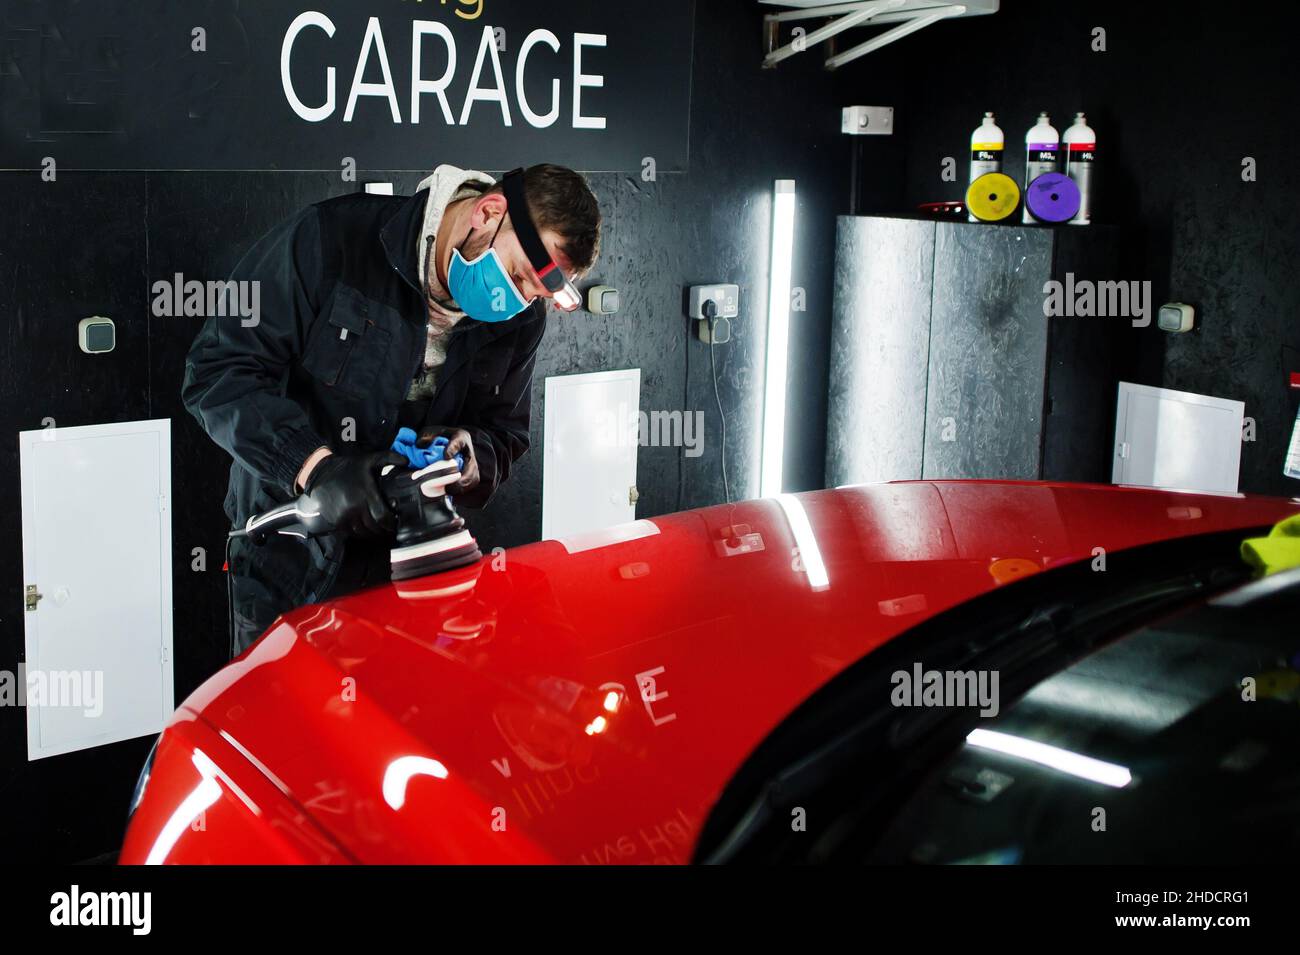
(345, 489)
(458, 442)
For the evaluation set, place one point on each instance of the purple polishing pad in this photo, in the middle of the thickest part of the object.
(1052, 197)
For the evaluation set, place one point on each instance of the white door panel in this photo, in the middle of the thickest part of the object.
(97, 546)
(589, 466)
(1177, 439)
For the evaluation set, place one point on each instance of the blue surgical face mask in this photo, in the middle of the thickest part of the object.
(483, 289)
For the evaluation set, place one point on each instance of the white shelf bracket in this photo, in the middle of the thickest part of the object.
(909, 15)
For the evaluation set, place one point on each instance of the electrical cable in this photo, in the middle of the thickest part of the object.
(710, 313)
(720, 417)
(686, 403)
(230, 590)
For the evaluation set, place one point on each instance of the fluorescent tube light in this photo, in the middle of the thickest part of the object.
(778, 338)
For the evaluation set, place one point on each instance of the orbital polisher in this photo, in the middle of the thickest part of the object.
(431, 536)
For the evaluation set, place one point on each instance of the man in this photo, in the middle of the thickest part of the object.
(376, 313)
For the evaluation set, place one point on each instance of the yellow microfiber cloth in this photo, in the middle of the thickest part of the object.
(1280, 550)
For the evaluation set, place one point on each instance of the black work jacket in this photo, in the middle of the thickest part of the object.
(340, 334)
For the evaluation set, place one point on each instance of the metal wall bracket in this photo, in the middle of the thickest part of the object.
(909, 15)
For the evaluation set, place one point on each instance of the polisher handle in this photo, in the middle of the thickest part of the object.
(430, 481)
(298, 518)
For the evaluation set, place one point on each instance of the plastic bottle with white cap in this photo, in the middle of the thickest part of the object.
(1080, 154)
(986, 147)
(1042, 155)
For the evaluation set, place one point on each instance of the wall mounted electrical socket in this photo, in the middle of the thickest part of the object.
(726, 297)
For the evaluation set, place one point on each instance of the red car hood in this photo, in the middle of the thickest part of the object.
(587, 700)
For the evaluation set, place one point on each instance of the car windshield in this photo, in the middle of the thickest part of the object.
(1175, 738)
(1179, 742)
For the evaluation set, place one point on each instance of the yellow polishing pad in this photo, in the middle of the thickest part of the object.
(993, 197)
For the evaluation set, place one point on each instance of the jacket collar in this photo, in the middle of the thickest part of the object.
(400, 237)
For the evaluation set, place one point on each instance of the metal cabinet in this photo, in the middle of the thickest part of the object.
(944, 363)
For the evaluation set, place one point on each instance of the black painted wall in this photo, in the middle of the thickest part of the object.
(1183, 92)
(1171, 147)
(93, 243)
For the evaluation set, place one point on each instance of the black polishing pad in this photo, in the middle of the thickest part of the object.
(417, 561)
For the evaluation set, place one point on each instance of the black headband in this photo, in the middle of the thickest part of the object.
(512, 184)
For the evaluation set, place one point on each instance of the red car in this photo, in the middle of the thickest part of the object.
(753, 682)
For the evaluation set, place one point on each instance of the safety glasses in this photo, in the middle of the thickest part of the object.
(564, 294)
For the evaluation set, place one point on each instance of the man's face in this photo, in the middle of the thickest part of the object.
(483, 223)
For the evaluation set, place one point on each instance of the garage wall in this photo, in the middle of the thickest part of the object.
(1184, 91)
(92, 244)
